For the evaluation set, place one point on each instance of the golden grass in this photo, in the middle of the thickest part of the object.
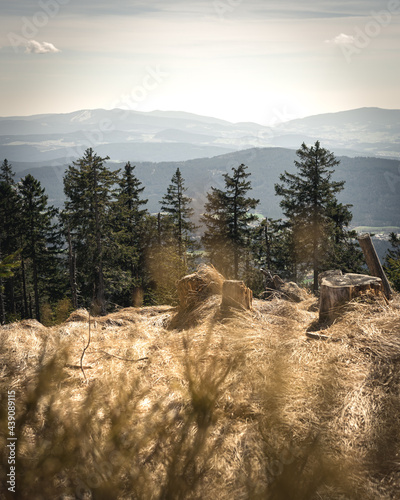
(238, 405)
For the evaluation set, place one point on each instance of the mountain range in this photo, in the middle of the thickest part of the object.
(366, 140)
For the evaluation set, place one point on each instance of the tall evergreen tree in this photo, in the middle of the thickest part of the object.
(89, 188)
(6, 173)
(130, 217)
(176, 205)
(307, 197)
(9, 230)
(7, 266)
(228, 222)
(38, 237)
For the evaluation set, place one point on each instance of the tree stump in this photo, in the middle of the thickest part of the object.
(337, 290)
(196, 287)
(236, 294)
(188, 289)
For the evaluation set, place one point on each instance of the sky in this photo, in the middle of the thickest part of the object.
(240, 60)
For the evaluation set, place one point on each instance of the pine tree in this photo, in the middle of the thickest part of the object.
(176, 206)
(306, 200)
(89, 188)
(228, 222)
(37, 238)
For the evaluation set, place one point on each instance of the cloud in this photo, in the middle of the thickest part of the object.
(34, 47)
(341, 39)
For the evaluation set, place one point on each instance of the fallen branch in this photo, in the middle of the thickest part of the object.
(317, 336)
(119, 357)
(321, 336)
(84, 350)
(78, 367)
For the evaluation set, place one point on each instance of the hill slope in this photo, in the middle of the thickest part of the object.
(236, 406)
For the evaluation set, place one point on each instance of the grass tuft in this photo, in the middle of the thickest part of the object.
(244, 406)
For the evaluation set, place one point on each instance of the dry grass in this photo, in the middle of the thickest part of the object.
(228, 406)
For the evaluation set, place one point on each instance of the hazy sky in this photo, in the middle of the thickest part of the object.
(241, 60)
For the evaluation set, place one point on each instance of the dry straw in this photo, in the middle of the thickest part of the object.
(238, 406)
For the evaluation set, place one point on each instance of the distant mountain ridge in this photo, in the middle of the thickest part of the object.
(180, 136)
(366, 140)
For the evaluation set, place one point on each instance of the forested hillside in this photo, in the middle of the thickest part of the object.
(113, 244)
(372, 184)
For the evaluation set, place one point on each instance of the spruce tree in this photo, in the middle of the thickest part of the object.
(227, 221)
(130, 218)
(37, 239)
(307, 197)
(89, 188)
(9, 230)
(176, 206)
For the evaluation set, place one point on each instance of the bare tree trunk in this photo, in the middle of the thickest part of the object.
(72, 272)
(373, 262)
(267, 246)
(24, 294)
(315, 253)
(30, 307)
(2, 306)
(12, 295)
(100, 288)
(36, 287)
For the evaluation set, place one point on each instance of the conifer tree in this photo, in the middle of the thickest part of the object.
(392, 261)
(9, 228)
(7, 266)
(228, 222)
(176, 205)
(38, 236)
(306, 200)
(89, 188)
(130, 217)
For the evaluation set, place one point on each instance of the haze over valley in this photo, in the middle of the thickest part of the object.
(365, 140)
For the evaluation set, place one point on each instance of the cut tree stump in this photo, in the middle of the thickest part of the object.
(236, 294)
(196, 287)
(337, 290)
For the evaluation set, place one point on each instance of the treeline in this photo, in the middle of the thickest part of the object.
(104, 249)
